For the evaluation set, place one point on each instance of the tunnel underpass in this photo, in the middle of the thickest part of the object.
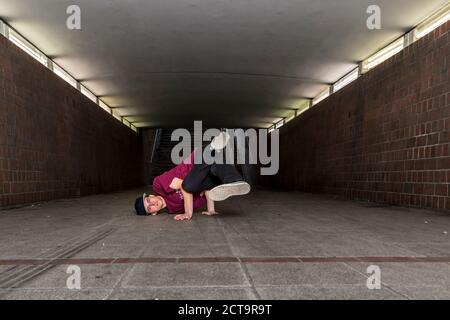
(338, 119)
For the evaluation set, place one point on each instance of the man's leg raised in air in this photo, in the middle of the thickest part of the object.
(222, 180)
(231, 183)
(200, 178)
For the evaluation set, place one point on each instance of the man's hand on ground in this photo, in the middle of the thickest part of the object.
(184, 216)
(210, 213)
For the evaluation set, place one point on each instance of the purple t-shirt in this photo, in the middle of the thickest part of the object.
(174, 198)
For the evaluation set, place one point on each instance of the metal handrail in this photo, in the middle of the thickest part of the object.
(156, 143)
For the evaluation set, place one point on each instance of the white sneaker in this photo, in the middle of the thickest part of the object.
(225, 191)
(220, 141)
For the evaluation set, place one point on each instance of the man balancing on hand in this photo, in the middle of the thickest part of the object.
(188, 186)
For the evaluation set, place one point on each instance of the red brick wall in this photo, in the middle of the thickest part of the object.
(54, 142)
(383, 138)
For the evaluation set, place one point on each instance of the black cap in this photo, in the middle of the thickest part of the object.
(139, 206)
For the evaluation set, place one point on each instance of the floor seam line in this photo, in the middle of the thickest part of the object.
(382, 283)
(242, 266)
(119, 281)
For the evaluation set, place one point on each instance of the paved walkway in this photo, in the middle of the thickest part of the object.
(269, 245)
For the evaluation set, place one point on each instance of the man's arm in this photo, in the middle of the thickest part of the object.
(188, 198)
(210, 206)
(176, 184)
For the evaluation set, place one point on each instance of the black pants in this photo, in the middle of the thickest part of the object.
(204, 177)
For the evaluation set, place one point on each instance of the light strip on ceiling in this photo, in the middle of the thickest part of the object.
(305, 105)
(279, 124)
(382, 55)
(291, 117)
(435, 20)
(350, 77)
(26, 46)
(116, 114)
(3, 29)
(321, 96)
(33, 51)
(64, 75)
(88, 94)
(104, 106)
(126, 122)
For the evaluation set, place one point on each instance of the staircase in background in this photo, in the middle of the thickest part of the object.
(161, 156)
(161, 159)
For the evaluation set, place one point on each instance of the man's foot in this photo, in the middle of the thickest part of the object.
(220, 141)
(225, 191)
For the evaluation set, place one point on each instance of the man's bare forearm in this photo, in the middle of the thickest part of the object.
(188, 203)
(209, 203)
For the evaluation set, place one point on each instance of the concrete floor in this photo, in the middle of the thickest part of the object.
(269, 245)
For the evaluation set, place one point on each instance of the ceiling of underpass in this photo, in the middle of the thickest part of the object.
(241, 63)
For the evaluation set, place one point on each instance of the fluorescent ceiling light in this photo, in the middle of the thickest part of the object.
(126, 122)
(303, 107)
(19, 41)
(104, 106)
(291, 117)
(300, 111)
(321, 96)
(352, 76)
(280, 124)
(436, 20)
(384, 54)
(64, 75)
(133, 128)
(88, 94)
(26, 46)
(116, 114)
(3, 27)
(143, 124)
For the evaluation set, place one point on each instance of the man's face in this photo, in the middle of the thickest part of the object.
(153, 204)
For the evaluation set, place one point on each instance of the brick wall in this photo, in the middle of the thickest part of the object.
(54, 142)
(384, 138)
